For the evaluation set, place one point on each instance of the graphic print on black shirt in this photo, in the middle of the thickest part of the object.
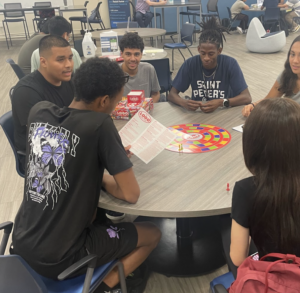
(46, 177)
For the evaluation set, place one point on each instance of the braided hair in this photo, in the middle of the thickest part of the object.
(212, 32)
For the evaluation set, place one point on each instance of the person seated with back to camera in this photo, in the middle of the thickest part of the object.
(143, 14)
(142, 75)
(216, 79)
(68, 149)
(287, 84)
(236, 12)
(51, 82)
(289, 16)
(266, 205)
(57, 26)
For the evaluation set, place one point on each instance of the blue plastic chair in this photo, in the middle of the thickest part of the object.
(17, 276)
(16, 68)
(231, 20)
(7, 124)
(162, 68)
(222, 283)
(186, 36)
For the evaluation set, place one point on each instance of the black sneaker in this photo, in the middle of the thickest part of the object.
(115, 216)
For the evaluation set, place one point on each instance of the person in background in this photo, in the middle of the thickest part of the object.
(266, 205)
(142, 75)
(289, 16)
(143, 14)
(216, 79)
(287, 83)
(58, 26)
(236, 10)
(51, 82)
(24, 57)
(68, 149)
(295, 4)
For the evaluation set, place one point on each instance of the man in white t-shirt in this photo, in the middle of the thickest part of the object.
(291, 4)
(236, 10)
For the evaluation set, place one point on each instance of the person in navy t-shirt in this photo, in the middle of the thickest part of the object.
(216, 80)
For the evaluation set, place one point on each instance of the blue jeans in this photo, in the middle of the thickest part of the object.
(144, 19)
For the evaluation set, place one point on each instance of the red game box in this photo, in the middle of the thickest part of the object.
(125, 110)
(136, 97)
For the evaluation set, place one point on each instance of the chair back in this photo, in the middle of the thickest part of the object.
(95, 14)
(255, 31)
(133, 10)
(187, 32)
(40, 4)
(17, 69)
(212, 6)
(85, 5)
(162, 68)
(132, 24)
(272, 14)
(195, 8)
(7, 124)
(13, 13)
(229, 13)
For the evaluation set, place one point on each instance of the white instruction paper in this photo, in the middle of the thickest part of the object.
(146, 136)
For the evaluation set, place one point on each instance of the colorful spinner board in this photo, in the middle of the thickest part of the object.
(198, 138)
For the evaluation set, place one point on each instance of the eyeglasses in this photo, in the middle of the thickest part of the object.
(126, 77)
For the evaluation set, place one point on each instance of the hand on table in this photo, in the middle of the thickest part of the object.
(211, 105)
(128, 152)
(191, 105)
(247, 110)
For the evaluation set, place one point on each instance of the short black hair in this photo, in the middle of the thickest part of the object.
(212, 32)
(47, 42)
(131, 41)
(44, 26)
(58, 25)
(96, 78)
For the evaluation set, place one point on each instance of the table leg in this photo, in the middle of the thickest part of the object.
(189, 246)
(163, 18)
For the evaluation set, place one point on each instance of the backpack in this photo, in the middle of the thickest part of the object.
(281, 276)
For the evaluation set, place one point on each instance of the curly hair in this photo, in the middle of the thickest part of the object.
(96, 78)
(131, 41)
(212, 32)
(288, 80)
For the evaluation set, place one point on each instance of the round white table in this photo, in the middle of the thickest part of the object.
(190, 188)
(142, 32)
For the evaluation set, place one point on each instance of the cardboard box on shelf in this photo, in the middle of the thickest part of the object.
(125, 110)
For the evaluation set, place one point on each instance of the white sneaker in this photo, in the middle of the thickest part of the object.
(239, 29)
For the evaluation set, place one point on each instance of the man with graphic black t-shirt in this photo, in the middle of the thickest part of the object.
(68, 149)
(52, 82)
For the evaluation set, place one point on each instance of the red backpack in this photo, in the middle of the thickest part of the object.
(281, 276)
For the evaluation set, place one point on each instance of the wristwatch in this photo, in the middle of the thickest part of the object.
(226, 103)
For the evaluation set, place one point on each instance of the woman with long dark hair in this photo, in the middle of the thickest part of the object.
(266, 206)
(288, 82)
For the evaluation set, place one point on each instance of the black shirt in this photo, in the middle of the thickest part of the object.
(67, 152)
(31, 89)
(242, 205)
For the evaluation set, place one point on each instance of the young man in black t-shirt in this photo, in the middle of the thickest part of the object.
(52, 82)
(68, 149)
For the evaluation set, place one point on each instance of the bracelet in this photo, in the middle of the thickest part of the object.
(252, 105)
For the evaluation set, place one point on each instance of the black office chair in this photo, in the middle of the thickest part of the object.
(231, 20)
(212, 10)
(15, 16)
(37, 16)
(16, 68)
(17, 276)
(79, 18)
(95, 17)
(272, 18)
(162, 68)
(186, 36)
(7, 124)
